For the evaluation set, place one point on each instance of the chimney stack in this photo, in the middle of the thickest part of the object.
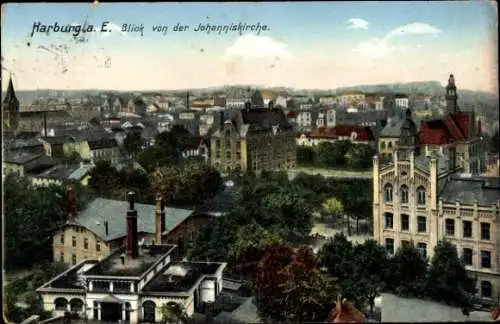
(71, 203)
(106, 227)
(132, 244)
(160, 218)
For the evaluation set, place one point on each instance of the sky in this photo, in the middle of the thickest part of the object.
(308, 45)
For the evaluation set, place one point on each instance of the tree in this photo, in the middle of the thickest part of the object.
(104, 178)
(408, 269)
(132, 143)
(337, 256)
(329, 155)
(370, 271)
(155, 157)
(447, 279)
(360, 156)
(333, 207)
(173, 313)
(305, 155)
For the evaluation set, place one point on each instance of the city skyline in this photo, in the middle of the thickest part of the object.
(308, 45)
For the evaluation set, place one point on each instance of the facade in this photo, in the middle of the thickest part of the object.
(402, 100)
(98, 230)
(424, 199)
(253, 138)
(352, 133)
(132, 283)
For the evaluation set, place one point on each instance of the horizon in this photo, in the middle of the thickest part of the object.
(339, 45)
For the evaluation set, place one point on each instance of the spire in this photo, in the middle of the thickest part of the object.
(10, 95)
(451, 96)
(451, 81)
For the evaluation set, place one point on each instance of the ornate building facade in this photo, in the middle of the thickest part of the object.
(424, 199)
(253, 138)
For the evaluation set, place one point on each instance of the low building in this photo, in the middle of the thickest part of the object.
(133, 283)
(26, 164)
(98, 230)
(56, 175)
(352, 133)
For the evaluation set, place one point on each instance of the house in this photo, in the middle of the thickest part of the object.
(56, 175)
(353, 133)
(426, 198)
(26, 164)
(133, 282)
(282, 101)
(328, 101)
(16, 145)
(196, 146)
(82, 174)
(97, 231)
(401, 100)
(104, 148)
(253, 138)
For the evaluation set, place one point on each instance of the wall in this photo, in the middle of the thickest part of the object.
(80, 252)
(13, 168)
(45, 182)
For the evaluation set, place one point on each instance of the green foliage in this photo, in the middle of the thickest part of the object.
(447, 279)
(407, 271)
(188, 184)
(360, 156)
(337, 256)
(333, 206)
(339, 154)
(132, 143)
(173, 313)
(155, 157)
(305, 155)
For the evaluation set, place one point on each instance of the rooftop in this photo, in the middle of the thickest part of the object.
(58, 172)
(70, 278)
(181, 276)
(114, 211)
(132, 267)
(467, 190)
(81, 172)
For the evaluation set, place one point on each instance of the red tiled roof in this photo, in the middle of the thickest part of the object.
(363, 133)
(345, 312)
(453, 128)
(291, 114)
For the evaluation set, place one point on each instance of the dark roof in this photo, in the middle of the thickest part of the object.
(10, 96)
(263, 119)
(21, 159)
(102, 143)
(114, 211)
(41, 113)
(58, 172)
(58, 140)
(181, 276)
(133, 267)
(484, 190)
(40, 164)
(69, 280)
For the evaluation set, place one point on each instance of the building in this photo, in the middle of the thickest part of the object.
(352, 133)
(10, 109)
(492, 166)
(27, 164)
(424, 199)
(389, 138)
(98, 230)
(134, 282)
(253, 138)
(402, 100)
(458, 131)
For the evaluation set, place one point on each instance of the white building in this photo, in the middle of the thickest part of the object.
(132, 283)
(401, 100)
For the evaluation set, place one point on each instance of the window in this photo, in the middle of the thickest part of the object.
(217, 154)
(450, 227)
(388, 220)
(61, 241)
(98, 247)
(217, 143)
(149, 309)
(86, 243)
(73, 259)
(238, 144)
(467, 256)
(485, 259)
(388, 193)
(238, 155)
(467, 227)
(389, 145)
(405, 243)
(422, 249)
(421, 196)
(389, 245)
(422, 224)
(485, 231)
(61, 256)
(404, 194)
(74, 241)
(228, 154)
(382, 145)
(405, 222)
(486, 289)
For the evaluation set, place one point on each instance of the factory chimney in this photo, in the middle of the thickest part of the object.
(132, 244)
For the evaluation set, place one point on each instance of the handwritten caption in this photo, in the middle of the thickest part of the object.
(107, 27)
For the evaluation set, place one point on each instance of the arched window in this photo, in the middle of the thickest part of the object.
(486, 289)
(404, 194)
(421, 195)
(76, 305)
(382, 145)
(149, 311)
(61, 304)
(389, 145)
(388, 193)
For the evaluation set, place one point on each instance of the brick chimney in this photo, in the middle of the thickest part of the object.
(160, 219)
(132, 244)
(71, 203)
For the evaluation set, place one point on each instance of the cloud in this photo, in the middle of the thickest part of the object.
(377, 47)
(357, 23)
(414, 29)
(114, 29)
(254, 46)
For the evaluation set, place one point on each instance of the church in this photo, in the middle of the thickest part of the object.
(429, 192)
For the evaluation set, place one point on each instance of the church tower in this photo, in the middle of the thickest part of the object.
(408, 139)
(10, 108)
(451, 96)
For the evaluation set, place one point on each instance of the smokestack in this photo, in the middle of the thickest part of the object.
(71, 203)
(132, 244)
(271, 105)
(187, 100)
(106, 227)
(160, 218)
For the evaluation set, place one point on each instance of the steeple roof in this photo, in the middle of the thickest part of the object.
(10, 96)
